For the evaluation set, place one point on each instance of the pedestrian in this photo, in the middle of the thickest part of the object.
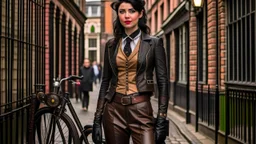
(96, 72)
(127, 82)
(100, 72)
(86, 83)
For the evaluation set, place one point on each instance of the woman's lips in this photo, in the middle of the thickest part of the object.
(127, 22)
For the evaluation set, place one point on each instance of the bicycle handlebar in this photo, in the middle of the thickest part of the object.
(72, 77)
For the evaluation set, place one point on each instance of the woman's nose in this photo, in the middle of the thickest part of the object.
(127, 15)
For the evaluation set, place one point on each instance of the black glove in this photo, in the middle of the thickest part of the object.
(160, 130)
(97, 131)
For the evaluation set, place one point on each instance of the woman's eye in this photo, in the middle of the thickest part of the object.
(121, 11)
(132, 11)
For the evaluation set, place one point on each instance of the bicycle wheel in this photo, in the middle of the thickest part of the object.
(49, 128)
(88, 133)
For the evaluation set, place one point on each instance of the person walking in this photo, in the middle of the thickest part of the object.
(96, 72)
(86, 83)
(100, 72)
(124, 107)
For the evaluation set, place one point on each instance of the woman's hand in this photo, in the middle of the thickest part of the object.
(97, 131)
(160, 130)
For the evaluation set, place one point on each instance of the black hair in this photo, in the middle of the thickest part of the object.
(138, 5)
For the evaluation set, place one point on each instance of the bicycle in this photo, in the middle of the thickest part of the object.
(56, 110)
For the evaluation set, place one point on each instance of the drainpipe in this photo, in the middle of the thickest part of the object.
(217, 76)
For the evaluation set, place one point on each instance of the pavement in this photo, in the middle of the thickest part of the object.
(179, 131)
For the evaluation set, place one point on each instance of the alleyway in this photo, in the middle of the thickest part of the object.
(87, 117)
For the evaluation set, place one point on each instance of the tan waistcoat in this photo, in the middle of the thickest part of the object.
(127, 68)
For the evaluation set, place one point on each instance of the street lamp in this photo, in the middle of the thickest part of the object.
(198, 3)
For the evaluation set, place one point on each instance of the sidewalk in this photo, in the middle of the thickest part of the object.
(187, 130)
(180, 132)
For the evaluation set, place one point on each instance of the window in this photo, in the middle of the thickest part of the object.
(92, 29)
(94, 10)
(156, 19)
(87, 10)
(162, 12)
(202, 46)
(93, 55)
(182, 53)
(168, 7)
(241, 41)
(92, 42)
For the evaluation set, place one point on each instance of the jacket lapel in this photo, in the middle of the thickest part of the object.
(112, 52)
(144, 48)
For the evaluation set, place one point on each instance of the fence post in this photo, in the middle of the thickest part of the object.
(196, 106)
(217, 113)
(227, 114)
(31, 119)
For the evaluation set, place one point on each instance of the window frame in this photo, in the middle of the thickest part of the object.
(202, 46)
(92, 42)
(241, 29)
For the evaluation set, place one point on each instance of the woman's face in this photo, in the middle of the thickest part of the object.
(128, 17)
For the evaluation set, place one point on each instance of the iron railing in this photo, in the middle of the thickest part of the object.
(21, 66)
(241, 114)
(206, 105)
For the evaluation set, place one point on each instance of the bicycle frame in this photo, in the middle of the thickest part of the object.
(66, 101)
(74, 115)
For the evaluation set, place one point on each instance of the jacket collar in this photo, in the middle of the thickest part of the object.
(144, 48)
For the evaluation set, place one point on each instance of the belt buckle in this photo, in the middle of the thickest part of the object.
(126, 103)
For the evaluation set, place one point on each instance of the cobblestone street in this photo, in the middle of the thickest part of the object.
(86, 117)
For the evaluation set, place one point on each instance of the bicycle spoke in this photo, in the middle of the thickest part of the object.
(60, 131)
(48, 139)
(50, 129)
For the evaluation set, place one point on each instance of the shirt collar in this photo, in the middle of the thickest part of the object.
(133, 36)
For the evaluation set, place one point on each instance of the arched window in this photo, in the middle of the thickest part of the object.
(92, 29)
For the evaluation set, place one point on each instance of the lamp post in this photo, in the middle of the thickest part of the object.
(198, 3)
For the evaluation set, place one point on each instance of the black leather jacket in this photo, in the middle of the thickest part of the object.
(151, 56)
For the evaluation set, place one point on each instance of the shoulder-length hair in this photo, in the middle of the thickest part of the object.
(138, 5)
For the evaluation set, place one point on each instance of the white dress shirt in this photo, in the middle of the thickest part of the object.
(133, 42)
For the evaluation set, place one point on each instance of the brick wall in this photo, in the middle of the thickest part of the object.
(192, 51)
(211, 43)
(74, 24)
(222, 33)
(211, 26)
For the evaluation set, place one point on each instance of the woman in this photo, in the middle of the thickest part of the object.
(127, 82)
(86, 83)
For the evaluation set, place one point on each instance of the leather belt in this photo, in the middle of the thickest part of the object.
(130, 99)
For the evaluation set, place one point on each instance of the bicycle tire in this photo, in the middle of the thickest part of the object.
(73, 136)
(87, 131)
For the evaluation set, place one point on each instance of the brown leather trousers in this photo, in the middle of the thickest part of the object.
(120, 122)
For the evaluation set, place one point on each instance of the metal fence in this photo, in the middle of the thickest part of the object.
(241, 114)
(206, 105)
(22, 65)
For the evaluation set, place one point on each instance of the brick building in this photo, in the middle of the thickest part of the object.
(211, 62)
(64, 39)
(93, 30)
(107, 19)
